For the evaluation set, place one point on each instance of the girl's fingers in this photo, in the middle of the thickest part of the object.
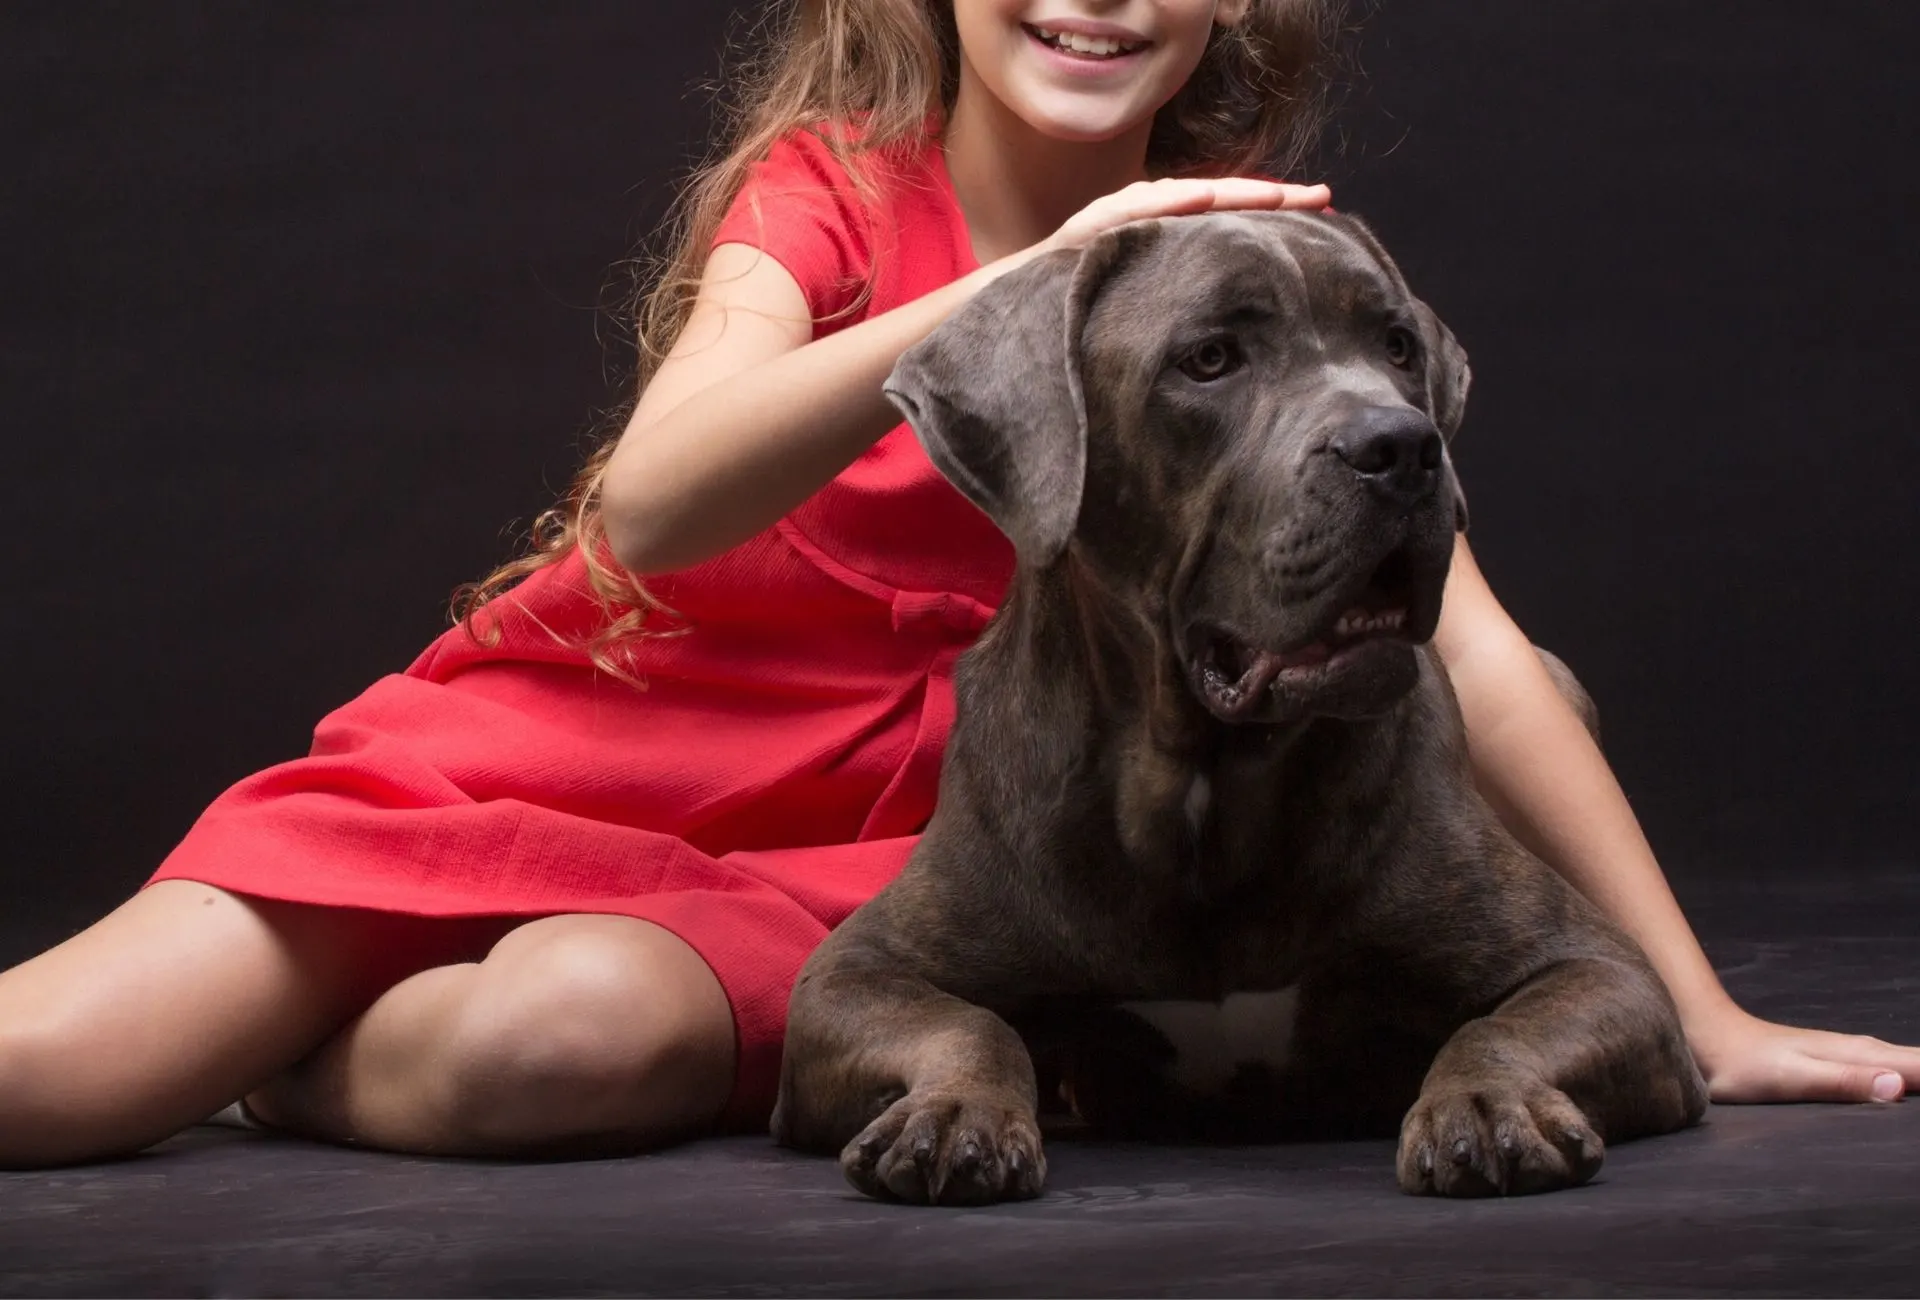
(1776, 1063)
(1187, 197)
(1813, 1078)
(1857, 1049)
(1174, 198)
(1245, 193)
(1310, 198)
(1164, 199)
(1182, 197)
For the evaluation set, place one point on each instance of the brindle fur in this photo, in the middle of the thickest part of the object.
(1449, 982)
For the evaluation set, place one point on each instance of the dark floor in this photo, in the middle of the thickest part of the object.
(1760, 1201)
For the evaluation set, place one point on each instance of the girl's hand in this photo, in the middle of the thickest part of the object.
(1182, 198)
(1745, 1058)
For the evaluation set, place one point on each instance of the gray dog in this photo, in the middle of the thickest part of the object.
(1206, 775)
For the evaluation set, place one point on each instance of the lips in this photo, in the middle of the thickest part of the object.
(1234, 675)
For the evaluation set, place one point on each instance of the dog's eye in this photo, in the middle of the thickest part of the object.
(1211, 360)
(1402, 346)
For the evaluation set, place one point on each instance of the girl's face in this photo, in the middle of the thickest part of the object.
(1086, 70)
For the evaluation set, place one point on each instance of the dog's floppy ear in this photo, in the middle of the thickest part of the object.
(1448, 378)
(995, 397)
(1448, 375)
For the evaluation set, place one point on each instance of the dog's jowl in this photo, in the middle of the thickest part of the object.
(1208, 861)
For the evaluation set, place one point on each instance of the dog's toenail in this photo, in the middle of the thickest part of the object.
(1463, 1151)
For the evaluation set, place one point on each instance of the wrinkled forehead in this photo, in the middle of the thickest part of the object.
(1247, 266)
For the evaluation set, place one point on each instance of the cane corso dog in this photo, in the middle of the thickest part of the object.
(1209, 862)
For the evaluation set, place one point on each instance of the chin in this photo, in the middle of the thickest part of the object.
(1364, 682)
(1084, 127)
(1088, 117)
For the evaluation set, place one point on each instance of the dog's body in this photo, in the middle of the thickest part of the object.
(1206, 771)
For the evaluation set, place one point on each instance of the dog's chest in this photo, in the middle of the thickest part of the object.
(1199, 804)
(1213, 1042)
(1226, 836)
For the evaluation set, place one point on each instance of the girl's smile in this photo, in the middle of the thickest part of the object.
(1089, 72)
(1079, 46)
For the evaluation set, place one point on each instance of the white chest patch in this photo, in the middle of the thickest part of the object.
(1214, 1039)
(1199, 802)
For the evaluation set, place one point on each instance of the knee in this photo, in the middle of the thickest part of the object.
(588, 1029)
(1572, 691)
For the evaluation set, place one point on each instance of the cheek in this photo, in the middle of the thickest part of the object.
(1186, 27)
(985, 29)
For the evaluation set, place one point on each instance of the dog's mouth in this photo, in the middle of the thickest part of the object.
(1235, 676)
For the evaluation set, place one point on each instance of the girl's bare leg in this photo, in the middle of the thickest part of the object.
(576, 1035)
(181, 1000)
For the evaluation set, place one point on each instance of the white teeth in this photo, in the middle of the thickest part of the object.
(1357, 622)
(1098, 46)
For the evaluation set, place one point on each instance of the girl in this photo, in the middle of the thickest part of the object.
(546, 891)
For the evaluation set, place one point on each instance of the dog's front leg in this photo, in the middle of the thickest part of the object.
(929, 1098)
(1586, 1051)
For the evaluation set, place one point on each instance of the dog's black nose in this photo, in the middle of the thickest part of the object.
(1395, 449)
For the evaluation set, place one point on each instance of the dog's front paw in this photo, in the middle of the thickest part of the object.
(1499, 1139)
(948, 1149)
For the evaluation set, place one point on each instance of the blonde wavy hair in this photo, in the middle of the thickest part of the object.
(1254, 105)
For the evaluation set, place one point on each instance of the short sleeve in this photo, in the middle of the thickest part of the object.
(800, 208)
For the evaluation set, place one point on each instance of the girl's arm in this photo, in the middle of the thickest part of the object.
(1546, 778)
(746, 418)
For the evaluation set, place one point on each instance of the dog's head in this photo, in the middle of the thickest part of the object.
(1239, 421)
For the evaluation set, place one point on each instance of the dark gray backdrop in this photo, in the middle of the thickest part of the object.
(299, 313)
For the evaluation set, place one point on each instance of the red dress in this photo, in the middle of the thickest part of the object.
(784, 756)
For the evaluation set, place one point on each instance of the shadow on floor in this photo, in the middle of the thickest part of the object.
(1776, 1200)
